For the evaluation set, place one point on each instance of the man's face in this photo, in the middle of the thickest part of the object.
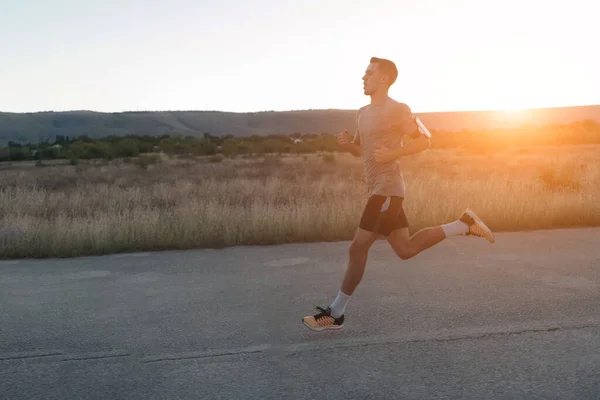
(373, 79)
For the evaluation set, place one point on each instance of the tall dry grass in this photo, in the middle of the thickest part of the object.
(61, 211)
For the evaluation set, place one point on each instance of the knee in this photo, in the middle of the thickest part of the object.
(358, 250)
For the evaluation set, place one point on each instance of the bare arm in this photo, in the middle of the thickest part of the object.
(418, 145)
(385, 155)
(353, 149)
(352, 145)
(407, 126)
(347, 144)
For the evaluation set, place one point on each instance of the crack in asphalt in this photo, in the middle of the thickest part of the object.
(65, 356)
(28, 356)
(294, 350)
(84, 358)
(486, 335)
(200, 356)
(459, 338)
(445, 339)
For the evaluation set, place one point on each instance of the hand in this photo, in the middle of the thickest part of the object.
(343, 138)
(383, 155)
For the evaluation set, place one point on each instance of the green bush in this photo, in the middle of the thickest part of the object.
(4, 154)
(127, 148)
(16, 154)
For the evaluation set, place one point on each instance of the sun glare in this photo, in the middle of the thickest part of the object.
(513, 110)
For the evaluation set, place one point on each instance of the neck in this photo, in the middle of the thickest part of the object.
(379, 98)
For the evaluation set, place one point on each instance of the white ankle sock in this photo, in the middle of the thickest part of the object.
(455, 228)
(338, 307)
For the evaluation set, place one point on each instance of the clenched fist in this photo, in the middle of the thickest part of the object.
(383, 155)
(344, 138)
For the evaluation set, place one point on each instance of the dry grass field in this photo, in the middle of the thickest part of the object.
(108, 207)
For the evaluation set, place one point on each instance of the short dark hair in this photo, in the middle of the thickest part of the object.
(388, 67)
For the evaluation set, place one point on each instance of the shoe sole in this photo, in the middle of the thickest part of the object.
(325, 328)
(488, 231)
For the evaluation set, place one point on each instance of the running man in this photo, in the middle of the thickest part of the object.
(381, 127)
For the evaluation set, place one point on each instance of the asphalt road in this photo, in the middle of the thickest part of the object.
(519, 319)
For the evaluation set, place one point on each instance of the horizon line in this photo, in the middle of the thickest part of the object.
(292, 110)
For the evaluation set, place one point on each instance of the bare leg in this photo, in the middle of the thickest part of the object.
(334, 318)
(358, 252)
(407, 247)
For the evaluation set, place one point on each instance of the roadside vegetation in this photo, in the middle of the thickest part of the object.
(161, 199)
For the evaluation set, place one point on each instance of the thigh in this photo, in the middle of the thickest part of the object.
(399, 239)
(394, 218)
(370, 219)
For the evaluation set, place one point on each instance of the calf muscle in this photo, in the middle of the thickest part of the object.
(358, 253)
(407, 247)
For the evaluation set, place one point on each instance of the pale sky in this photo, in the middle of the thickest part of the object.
(234, 55)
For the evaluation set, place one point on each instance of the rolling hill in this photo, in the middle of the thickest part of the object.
(34, 127)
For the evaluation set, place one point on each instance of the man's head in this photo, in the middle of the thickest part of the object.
(380, 75)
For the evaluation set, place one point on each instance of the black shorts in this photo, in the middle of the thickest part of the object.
(383, 222)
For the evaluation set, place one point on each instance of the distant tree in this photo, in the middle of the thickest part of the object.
(145, 146)
(208, 148)
(50, 153)
(127, 148)
(208, 136)
(84, 138)
(4, 154)
(83, 150)
(60, 139)
(16, 154)
(232, 147)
